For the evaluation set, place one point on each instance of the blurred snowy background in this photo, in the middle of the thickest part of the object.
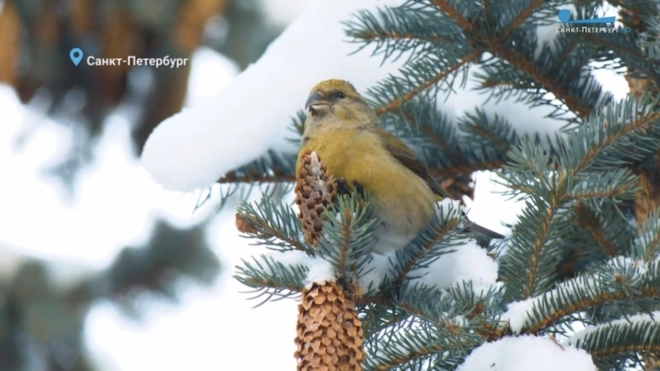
(73, 195)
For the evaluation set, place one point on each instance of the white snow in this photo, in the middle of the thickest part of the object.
(292, 258)
(468, 263)
(490, 207)
(376, 270)
(643, 318)
(448, 208)
(523, 118)
(195, 147)
(524, 353)
(192, 149)
(10, 261)
(466, 100)
(316, 164)
(518, 313)
(223, 321)
(283, 12)
(210, 73)
(546, 33)
(636, 266)
(319, 270)
(119, 189)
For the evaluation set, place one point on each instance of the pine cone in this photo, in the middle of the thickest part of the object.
(243, 225)
(329, 333)
(315, 189)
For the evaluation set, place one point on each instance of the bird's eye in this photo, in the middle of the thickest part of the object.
(341, 95)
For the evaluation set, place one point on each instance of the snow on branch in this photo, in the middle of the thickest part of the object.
(196, 147)
(621, 279)
(249, 119)
(526, 353)
(615, 343)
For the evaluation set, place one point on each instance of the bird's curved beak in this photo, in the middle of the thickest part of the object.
(316, 102)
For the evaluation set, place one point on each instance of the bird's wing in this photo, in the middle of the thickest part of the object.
(400, 151)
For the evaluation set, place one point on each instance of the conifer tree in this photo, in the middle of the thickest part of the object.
(586, 247)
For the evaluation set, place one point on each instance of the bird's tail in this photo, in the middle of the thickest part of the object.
(483, 235)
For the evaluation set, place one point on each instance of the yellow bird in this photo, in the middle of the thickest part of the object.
(344, 131)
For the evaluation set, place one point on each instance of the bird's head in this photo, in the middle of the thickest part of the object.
(335, 104)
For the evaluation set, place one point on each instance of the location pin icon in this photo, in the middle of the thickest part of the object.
(564, 15)
(76, 55)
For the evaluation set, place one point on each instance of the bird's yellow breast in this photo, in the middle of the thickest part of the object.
(402, 199)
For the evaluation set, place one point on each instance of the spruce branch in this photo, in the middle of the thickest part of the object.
(616, 134)
(617, 344)
(534, 242)
(619, 280)
(597, 230)
(465, 168)
(272, 278)
(568, 48)
(625, 46)
(495, 136)
(521, 17)
(539, 257)
(616, 183)
(437, 240)
(482, 309)
(379, 317)
(647, 244)
(527, 160)
(580, 169)
(651, 41)
(347, 237)
(273, 224)
(592, 224)
(648, 195)
(421, 76)
(442, 309)
(270, 168)
(403, 28)
(435, 308)
(383, 35)
(273, 166)
(431, 126)
(527, 66)
(454, 14)
(451, 151)
(450, 158)
(255, 177)
(421, 345)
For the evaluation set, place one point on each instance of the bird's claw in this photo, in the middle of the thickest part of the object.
(342, 186)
